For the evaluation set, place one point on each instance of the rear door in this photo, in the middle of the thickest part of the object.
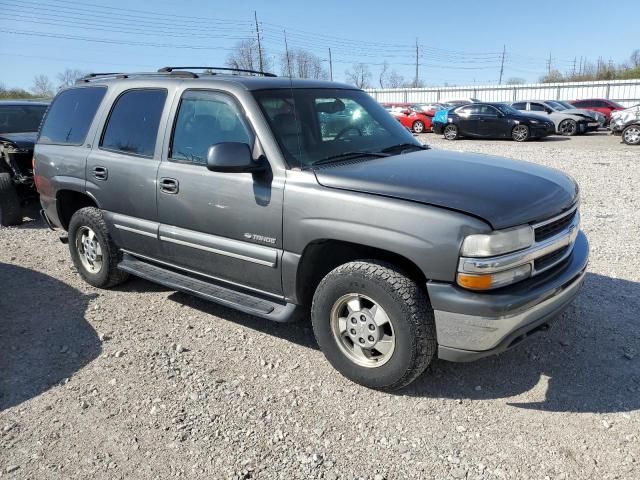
(224, 225)
(492, 124)
(122, 168)
(469, 120)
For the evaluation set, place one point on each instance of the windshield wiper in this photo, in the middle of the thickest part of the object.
(348, 155)
(403, 146)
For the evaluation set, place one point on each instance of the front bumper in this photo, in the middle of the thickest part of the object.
(472, 325)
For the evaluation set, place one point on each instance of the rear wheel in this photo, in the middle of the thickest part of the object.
(374, 324)
(631, 135)
(450, 131)
(418, 126)
(92, 250)
(568, 128)
(520, 133)
(10, 213)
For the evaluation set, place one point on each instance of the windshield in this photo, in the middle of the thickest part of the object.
(504, 108)
(317, 125)
(556, 105)
(21, 118)
(566, 105)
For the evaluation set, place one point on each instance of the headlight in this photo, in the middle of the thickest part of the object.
(494, 280)
(498, 242)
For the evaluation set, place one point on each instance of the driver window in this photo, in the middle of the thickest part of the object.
(204, 119)
(538, 107)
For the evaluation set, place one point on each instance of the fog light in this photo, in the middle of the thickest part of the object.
(494, 280)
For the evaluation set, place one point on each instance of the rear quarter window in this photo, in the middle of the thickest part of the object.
(70, 116)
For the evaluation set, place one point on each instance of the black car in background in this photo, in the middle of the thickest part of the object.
(491, 120)
(19, 123)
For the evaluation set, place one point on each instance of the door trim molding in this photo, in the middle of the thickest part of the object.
(218, 251)
(135, 230)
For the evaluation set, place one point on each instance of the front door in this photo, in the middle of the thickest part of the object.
(224, 225)
(122, 168)
(492, 123)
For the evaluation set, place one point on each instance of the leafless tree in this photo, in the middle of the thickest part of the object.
(359, 75)
(69, 77)
(384, 74)
(303, 64)
(42, 86)
(516, 81)
(635, 58)
(246, 56)
(395, 80)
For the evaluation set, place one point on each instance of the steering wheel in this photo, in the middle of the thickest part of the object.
(346, 129)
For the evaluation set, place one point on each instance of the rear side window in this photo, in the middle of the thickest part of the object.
(132, 127)
(520, 106)
(70, 116)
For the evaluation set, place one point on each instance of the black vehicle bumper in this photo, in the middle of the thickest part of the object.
(437, 128)
(472, 325)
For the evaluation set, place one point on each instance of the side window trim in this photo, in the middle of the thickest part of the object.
(176, 113)
(112, 107)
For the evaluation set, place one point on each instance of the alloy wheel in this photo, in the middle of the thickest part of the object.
(450, 132)
(567, 127)
(520, 133)
(632, 135)
(418, 127)
(362, 330)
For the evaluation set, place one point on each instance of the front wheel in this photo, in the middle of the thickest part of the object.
(631, 135)
(374, 324)
(520, 133)
(450, 132)
(92, 250)
(568, 128)
(418, 126)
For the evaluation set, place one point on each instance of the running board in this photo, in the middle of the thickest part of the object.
(245, 302)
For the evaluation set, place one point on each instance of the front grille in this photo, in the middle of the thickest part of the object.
(549, 259)
(550, 229)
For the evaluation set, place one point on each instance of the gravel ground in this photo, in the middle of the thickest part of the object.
(143, 382)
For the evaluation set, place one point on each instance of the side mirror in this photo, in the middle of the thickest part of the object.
(232, 157)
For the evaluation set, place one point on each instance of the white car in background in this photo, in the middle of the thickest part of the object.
(567, 124)
(568, 108)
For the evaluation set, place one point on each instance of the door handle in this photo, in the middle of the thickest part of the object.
(169, 185)
(100, 173)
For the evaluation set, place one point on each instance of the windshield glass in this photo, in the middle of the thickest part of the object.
(566, 105)
(504, 108)
(21, 118)
(556, 105)
(314, 125)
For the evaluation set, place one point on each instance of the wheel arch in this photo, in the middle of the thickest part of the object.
(320, 256)
(69, 201)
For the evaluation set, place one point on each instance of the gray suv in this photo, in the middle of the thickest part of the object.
(278, 197)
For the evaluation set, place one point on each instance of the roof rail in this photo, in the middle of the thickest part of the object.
(224, 69)
(103, 76)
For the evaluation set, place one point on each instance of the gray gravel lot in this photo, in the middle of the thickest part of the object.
(143, 382)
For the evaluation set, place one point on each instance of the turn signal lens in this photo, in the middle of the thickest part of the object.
(494, 280)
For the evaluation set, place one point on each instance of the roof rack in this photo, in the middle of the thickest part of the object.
(103, 76)
(223, 69)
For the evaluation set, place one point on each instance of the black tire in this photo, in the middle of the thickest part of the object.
(10, 213)
(418, 126)
(568, 128)
(407, 307)
(630, 135)
(451, 132)
(519, 137)
(108, 275)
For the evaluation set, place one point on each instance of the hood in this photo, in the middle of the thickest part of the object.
(23, 141)
(500, 191)
(581, 113)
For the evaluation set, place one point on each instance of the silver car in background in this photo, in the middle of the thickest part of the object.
(566, 107)
(567, 124)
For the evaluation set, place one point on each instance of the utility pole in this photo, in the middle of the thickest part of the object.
(574, 66)
(330, 66)
(504, 49)
(255, 16)
(286, 48)
(415, 83)
(549, 64)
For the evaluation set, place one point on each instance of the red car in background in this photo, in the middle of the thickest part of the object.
(417, 122)
(601, 105)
